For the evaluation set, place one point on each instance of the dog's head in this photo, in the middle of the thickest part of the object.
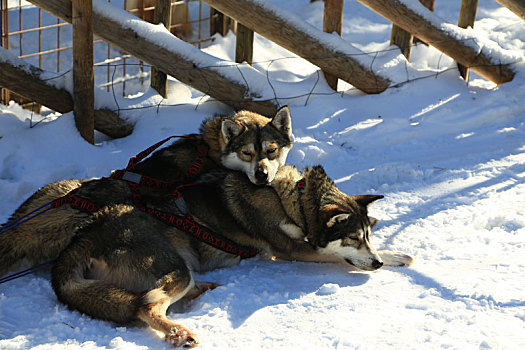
(345, 232)
(256, 145)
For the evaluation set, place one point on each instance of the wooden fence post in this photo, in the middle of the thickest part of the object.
(84, 95)
(244, 45)
(332, 22)
(403, 39)
(467, 16)
(219, 23)
(159, 80)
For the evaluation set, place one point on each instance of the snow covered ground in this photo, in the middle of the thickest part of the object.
(448, 156)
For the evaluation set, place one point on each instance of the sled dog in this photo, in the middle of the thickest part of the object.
(249, 142)
(127, 267)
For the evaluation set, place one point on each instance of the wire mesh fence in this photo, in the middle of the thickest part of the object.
(45, 41)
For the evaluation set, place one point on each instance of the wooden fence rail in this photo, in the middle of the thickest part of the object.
(181, 66)
(259, 18)
(31, 82)
(403, 16)
(516, 6)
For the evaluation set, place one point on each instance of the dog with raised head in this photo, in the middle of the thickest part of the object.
(127, 267)
(246, 141)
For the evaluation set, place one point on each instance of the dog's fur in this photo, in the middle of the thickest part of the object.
(335, 224)
(127, 267)
(246, 141)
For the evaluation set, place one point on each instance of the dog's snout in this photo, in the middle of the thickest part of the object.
(376, 264)
(261, 175)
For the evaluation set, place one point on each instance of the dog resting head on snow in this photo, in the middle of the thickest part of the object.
(333, 222)
(250, 142)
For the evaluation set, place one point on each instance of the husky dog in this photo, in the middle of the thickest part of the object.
(332, 222)
(127, 267)
(246, 141)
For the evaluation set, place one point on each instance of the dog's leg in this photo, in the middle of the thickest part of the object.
(394, 258)
(200, 288)
(156, 302)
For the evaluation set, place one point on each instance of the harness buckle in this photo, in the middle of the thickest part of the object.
(132, 177)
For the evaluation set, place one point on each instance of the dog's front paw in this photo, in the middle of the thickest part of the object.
(180, 336)
(395, 258)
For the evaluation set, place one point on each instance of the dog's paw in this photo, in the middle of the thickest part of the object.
(395, 258)
(181, 337)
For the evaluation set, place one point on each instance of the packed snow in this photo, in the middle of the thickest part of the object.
(449, 157)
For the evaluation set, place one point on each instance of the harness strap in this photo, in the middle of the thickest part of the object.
(187, 224)
(76, 202)
(143, 180)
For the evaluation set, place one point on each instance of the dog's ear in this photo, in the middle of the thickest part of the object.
(329, 212)
(336, 219)
(373, 221)
(282, 121)
(366, 199)
(230, 129)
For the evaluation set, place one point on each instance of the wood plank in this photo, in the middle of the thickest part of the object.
(516, 6)
(26, 80)
(411, 21)
(244, 45)
(305, 43)
(205, 79)
(83, 72)
(467, 16)
(159, 79)
(332, 22)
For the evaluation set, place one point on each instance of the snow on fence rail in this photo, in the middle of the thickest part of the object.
(483, 57)
(242, 86)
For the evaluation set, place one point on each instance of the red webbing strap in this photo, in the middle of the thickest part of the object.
(76, 202)
(187, 224)
(147, 181)
(140, 156)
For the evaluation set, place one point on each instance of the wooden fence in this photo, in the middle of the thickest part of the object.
(253, 16)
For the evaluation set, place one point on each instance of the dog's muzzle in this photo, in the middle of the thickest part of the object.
(376, 264)
(261, 176)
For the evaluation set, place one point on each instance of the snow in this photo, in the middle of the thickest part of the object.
(448, 156)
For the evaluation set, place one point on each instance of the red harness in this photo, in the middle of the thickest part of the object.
(184, 223)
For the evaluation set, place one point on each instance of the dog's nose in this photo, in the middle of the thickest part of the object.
(261, 176)
(377, 264)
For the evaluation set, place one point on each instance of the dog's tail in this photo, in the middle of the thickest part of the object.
(95, 297)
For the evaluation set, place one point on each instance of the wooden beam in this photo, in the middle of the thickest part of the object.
(411, 21)
(244, 45)
(31, 82)
(332, 22)
(83, 75)
(467, 17)
(302, 40)
(159, 79)
(193, 73)
(516, 6)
